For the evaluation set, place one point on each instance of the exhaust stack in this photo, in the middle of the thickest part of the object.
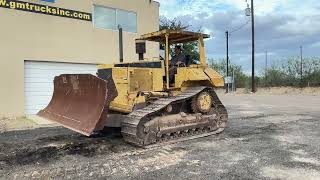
(120, 43)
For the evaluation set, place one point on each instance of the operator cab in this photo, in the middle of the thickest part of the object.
(174, 38)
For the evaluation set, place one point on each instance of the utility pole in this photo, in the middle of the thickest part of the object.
(253, 90)
(266, 69)
(266, 59)
(301, 65)
(233, 82)
(227, 44)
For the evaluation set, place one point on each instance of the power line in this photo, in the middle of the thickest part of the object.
(240, 27)
(248, 10)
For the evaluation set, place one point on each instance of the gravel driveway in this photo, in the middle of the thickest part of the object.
(269, 137)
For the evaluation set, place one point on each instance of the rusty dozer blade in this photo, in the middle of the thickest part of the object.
(80, 102)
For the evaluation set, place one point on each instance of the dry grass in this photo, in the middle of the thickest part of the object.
(18, 123)
(280, 91)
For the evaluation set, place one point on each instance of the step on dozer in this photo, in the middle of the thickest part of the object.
(80, 102)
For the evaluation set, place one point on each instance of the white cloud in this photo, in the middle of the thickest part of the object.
(174, 8)
(281, 26)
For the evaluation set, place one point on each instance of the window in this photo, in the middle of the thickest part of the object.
(108, 18)
(127, 20)
(104, 18)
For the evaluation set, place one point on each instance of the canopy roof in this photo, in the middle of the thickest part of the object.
(175, 36)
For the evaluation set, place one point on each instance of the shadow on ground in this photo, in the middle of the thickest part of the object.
(43, 145)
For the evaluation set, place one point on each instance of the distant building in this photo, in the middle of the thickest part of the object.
(40, 39)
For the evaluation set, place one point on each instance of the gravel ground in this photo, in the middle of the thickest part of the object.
(269, 137)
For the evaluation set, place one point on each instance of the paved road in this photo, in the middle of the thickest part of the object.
(269, 137)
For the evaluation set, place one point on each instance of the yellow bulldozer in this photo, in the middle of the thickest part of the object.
(139, 97)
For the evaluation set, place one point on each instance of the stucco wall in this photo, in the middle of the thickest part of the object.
(38, 37)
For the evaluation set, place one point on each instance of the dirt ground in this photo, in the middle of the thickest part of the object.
(269, 137)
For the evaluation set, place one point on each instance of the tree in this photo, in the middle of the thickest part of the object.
(190, 48)
(276, 77)
(287, 72)
(241, 79)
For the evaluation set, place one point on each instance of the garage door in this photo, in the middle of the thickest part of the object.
(38, 81)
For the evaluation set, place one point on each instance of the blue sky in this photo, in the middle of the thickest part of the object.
(281, 27)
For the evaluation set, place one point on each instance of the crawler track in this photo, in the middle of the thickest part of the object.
(136, 131)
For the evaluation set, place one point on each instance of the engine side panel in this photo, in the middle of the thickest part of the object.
(130, 80)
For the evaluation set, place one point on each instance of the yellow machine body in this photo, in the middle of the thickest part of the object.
(131, 82)
(136, 84)
(140, 97)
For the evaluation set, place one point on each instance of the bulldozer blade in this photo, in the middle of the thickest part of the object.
(80, 102)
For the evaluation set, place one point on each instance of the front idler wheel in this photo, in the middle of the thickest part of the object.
(202, 103)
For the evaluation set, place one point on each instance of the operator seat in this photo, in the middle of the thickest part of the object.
(188, 60)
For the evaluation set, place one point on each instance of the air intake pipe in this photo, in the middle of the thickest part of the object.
(141, 48)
